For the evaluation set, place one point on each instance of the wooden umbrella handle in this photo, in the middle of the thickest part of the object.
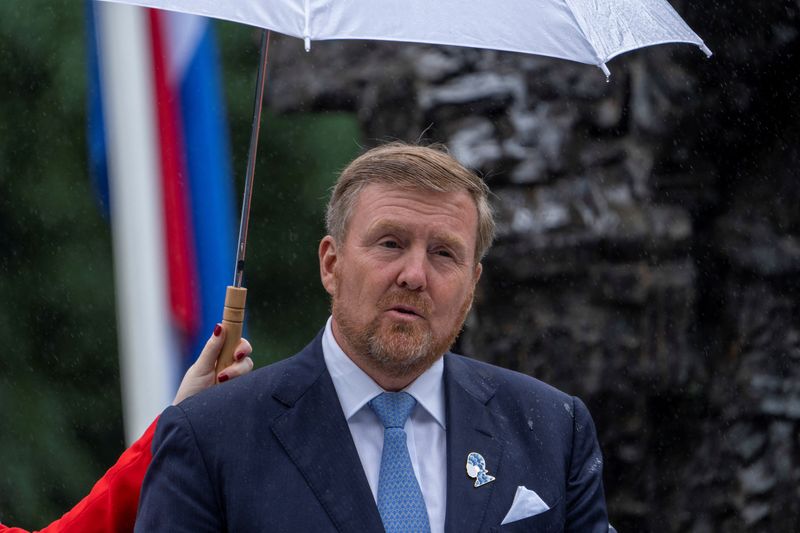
(233, 320)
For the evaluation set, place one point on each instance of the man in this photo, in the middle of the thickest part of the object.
(373, 425)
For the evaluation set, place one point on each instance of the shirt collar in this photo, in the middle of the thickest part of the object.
(355, 388)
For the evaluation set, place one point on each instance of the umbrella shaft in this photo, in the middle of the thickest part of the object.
(244, 220)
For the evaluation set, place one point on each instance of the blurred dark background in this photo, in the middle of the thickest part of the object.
(647, 261)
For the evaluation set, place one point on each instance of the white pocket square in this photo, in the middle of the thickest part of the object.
(526, 504)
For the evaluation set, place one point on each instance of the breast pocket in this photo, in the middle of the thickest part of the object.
(549, 521)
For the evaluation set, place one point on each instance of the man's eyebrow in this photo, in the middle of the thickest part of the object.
(451, 241)
(382, 227)
(387, 226)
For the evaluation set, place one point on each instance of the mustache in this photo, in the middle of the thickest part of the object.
(421, 302)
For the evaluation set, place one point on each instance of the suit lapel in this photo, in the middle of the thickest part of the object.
(315, 435)
(471, 427)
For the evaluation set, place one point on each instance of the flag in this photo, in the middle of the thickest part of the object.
(160, 160)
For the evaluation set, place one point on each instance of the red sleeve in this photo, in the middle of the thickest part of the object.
(111, 505)
(6, 529)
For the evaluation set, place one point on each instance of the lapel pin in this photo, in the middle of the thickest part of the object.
(476, 469)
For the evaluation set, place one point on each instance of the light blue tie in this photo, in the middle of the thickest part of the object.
(400, 499)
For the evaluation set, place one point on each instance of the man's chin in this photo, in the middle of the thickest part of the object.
(402, 349)
(402, 344)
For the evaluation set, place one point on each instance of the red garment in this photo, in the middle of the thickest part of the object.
(111, 505)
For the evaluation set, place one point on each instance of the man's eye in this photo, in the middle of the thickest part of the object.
(390, 244)
(443, 253)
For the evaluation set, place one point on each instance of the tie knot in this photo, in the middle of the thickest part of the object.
(393, 408)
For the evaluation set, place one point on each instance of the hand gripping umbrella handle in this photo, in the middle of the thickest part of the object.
(233, 320)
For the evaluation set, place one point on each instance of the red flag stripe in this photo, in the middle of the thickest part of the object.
(180, 253)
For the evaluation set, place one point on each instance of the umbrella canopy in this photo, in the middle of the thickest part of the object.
(588, 31)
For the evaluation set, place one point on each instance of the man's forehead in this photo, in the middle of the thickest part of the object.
(382, 196)
(375, 201)
(411, 191)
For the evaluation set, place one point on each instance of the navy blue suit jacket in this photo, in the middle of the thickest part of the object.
(272, 451)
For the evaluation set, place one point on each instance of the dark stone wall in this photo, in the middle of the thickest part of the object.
(649, 245)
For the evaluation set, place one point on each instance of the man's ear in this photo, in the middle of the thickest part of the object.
(327, 263)
(478, 271)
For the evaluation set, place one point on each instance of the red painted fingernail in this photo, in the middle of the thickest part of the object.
(239, 356)
(217, 330)
(223, 378)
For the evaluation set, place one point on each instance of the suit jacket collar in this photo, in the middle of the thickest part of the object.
(315, 435)
(471, 427)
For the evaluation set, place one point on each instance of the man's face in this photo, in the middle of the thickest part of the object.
(402, 281)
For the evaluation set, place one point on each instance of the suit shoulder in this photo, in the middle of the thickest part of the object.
(506, 381)
(522, 400)
(255, 390)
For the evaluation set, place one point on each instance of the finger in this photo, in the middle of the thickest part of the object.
(243, 349)
(207, 359)
(238, 368)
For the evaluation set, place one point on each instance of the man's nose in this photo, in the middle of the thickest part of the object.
(413, 271)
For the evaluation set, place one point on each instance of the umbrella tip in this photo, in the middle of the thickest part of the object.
(705, 50)
(605, 70)
(307, 42)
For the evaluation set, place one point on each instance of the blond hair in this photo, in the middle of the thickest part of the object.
(427, 168)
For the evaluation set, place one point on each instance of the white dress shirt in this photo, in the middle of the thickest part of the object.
(425, 428)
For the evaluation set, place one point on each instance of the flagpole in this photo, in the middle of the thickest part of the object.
(236, 295)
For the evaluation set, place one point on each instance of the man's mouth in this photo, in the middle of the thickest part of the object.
(406, 310)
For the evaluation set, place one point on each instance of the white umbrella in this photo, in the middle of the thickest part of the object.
(588, 31)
